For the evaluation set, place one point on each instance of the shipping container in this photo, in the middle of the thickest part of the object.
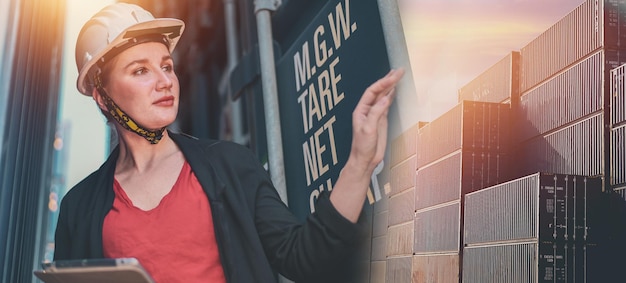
(400, 239)
(437, 229)
(618, 156)
(399, 269)
(404, 146)
(403, 176)
(439, 182)
(576, 149)
(475, 126)
(593, 25)
(618, 96)
(402, 207)
(483, 169)
(501, 263)
(379, 245)
(442, 268)
(572, 94)
(462, 172)
(531, 261)
(499, 83)
(542, 206)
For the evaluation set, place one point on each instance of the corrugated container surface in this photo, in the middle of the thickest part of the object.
(399, 269)
(546, 207)
(503, 212)
(531, 262)
(438, 230)
(438, 183)
(478, 126)
(592, 25)
(577, 149)
(483, 169)
(400, 239)
(618, 95)
(402, 207)
(571, 95)
(497, 84)
(404, 146)
(504, 263)
(465, 171)
(436, 268)
(440, 137)
(403, 176)
(618, 155)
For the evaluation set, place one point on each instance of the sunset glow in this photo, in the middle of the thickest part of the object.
(451, 42)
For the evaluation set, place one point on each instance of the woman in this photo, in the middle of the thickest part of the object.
(191, 210)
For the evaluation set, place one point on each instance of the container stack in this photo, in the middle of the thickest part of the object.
(546, 108)
(392, 241)
(462, 151)
(539, 228)
(618, 131)
(564, 84)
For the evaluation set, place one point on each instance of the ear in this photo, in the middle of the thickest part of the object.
(98, 98)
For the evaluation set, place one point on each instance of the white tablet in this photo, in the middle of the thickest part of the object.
(109, 270)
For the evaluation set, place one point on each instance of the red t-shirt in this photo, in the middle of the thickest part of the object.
(175, 241)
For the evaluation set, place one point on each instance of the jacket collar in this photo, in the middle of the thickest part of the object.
(200, 161)
(194, 151)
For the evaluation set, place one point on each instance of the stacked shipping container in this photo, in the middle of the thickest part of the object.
(392, 241)
(564, 91)
(463, 150)
(499, 84)
(558, 88)
(575, 149)
(593, 25)
(539, 228)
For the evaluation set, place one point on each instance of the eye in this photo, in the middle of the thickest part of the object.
(140, 71)
(167, 68)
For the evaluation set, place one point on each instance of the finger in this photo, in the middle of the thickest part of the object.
(381, 86)
(382, 139)
(379, 109)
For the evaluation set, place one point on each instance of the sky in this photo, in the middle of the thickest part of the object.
(451, 42)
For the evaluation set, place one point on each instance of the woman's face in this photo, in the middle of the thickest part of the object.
(142, 82)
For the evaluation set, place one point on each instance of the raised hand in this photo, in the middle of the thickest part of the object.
(369, 121)
(369, 139)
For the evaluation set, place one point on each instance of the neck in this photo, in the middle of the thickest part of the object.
(139, 155)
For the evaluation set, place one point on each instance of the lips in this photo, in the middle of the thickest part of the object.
(165, 101)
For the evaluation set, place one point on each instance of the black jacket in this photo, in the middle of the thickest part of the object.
(256, 233)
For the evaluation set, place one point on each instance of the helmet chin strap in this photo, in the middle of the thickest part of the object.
(117, 114)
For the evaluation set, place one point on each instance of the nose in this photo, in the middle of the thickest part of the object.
(165, 80)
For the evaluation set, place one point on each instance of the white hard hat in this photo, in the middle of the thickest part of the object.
(112, 29)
